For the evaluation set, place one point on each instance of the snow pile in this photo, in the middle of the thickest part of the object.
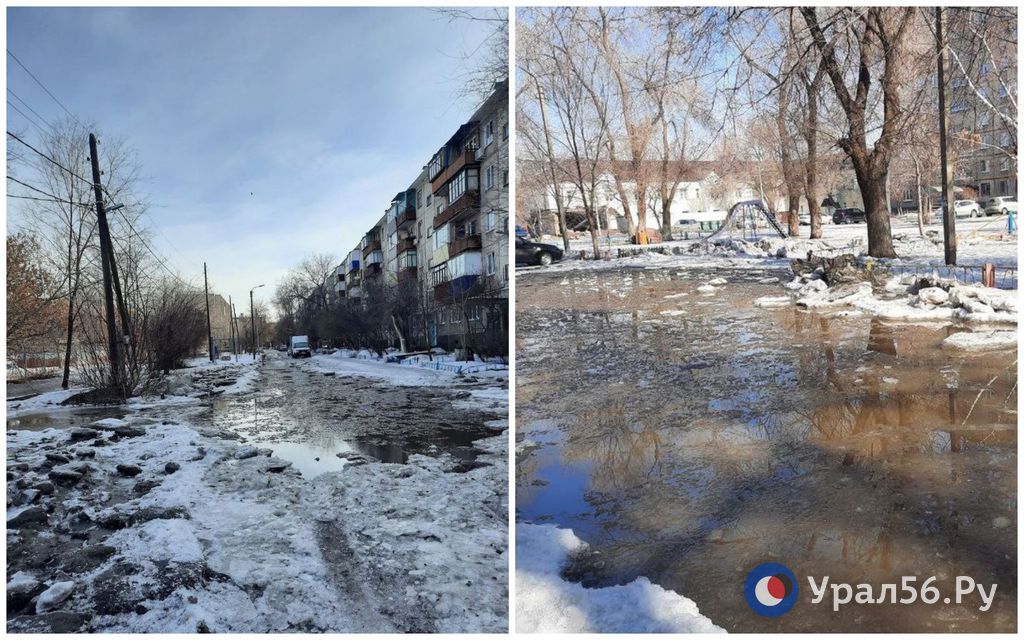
(981, 341)
(545, 603)
(911, 299)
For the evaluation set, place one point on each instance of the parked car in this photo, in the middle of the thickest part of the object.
(298, 347)
(805, 218)
(849, 216)
(536, 253)
(1001, 205)
(521, 232)
(966, 209)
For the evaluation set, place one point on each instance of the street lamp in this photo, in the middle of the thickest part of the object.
(252, 318)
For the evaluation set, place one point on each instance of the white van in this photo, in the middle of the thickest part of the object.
(298, 347)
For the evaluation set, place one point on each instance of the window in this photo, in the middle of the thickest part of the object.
(419, 199)
(467, 180)
(428, 199)
(489, 132)
(983, 69)
(1002, 187)
(491, 264)
(504, 131)
(908, 195)
(1004, 139)
(984, 118)
(441, 237)
(986, 188)
(489, 177)
(505, 276)
(504, 178)
(983, 166)
(489, 221)
(958, 82)
(959, 106)
(1002, 90)
(1004, 164)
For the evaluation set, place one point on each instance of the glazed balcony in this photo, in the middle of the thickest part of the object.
(370, 247)
(463, 244)
(468, 202)
(406, 218)
(465, 159)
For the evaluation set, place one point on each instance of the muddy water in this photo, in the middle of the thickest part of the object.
(689, 438)
(308, 419)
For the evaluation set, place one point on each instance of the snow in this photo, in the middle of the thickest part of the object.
(981, 340)
(42, 401)
(773, 301)
(54, 595)
(22, 582)
(225, 544)
(545, 603)
(407, 375)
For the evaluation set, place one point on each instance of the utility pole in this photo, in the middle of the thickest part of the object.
(105, 250)
(231, 325)
(948, 213)
(209, 327)
(126, 326)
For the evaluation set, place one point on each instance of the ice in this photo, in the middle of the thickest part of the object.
(981, 340)
(54, 595)
(545, 603)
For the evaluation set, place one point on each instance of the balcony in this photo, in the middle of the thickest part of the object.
(406, 274)
(374, 269)
(339, 286)
(468, 202)
(458, 163)
(461, 245)
(406, 244)
(406, 218)
(373, 245)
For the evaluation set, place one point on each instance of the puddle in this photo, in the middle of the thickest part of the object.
(62, 418)
(303, 416)
(691, 447)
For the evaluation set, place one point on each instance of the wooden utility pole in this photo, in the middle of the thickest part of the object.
(948, 212)
(209, 326)
(105, 251)
(231, 328)
(252, 323)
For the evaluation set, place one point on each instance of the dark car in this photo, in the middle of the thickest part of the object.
(536, 253)
(849, 216)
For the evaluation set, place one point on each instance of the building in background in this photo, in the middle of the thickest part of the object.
(441, 247)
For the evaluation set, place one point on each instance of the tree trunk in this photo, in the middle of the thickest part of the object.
(920, 201)
(401, 337)
(67, 347)
(666, 220)
(872, 189)
(811, 171)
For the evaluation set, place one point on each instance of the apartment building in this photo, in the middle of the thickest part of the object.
(445, 237)
(978, 99)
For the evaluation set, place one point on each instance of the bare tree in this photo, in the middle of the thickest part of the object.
(863, 43)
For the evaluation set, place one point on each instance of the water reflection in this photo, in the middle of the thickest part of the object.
(691, 447)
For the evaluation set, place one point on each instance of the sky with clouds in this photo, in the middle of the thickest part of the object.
(263, 134)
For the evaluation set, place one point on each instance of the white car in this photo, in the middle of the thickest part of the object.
(966, 209)
(1001, 206)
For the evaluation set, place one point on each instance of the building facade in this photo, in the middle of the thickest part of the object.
(444, 239)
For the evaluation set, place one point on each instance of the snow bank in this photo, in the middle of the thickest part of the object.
(545, 603)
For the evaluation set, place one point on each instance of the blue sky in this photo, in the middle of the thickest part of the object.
(321, 114)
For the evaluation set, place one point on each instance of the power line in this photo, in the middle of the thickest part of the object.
(48, 92)
(29, 107)
(89, 182)
(27, 118)
(45, 193)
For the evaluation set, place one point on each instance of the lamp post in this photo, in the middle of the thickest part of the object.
(252, 319)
